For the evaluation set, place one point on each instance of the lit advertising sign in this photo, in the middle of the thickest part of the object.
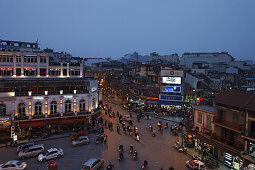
(171, 89)
(170, 97)
(172, 80)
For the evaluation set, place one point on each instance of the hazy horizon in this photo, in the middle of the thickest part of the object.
(114, 28)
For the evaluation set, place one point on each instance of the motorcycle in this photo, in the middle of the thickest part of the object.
(135, 155)
(109, 166)
(120, 156)
(131, 149)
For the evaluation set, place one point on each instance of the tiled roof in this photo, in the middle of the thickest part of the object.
(236, 98)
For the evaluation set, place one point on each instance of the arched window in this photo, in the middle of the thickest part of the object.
(82, 105)
(93, 103)
(22, 109)
(68, 106)
(38, 108)
(53, 107)
(2, 109)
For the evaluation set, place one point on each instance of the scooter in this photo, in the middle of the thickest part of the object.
(120, 156)
(109, 166)
(135, 155)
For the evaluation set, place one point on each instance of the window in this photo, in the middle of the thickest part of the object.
(208, 122)
(93, 103)
(22, 109)
(53, 107)
(199, 118)
(68, 105)
(2, 109)
(38, 108)
(82, 105)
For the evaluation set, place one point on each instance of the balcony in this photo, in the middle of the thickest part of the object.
(228, 125)
(228, 143)
(68, 114)
(21, 117)
(54, 115)
(249, 135)
(38, 116)
(85, 112)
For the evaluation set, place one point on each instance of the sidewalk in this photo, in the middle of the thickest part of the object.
(52, 137)
(168, 118)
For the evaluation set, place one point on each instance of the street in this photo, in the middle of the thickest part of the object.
(158, 151)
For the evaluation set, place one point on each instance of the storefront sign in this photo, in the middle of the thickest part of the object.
(15, 137)
(38, 98)
(171, 80)
(171, 89)
(68, 96)
(170, 97)
(4, 119)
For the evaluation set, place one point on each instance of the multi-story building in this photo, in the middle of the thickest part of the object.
(37, 93)
(171, 87)
(173, 58)
(234, 114)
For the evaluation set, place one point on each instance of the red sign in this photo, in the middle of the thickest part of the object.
(6, 68)
(30, 68)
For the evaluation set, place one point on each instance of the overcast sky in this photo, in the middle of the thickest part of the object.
(112, 28)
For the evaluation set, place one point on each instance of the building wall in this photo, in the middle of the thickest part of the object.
(204, 122)
(29, 101)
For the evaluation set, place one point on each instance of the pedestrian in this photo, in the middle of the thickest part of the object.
(6, 143)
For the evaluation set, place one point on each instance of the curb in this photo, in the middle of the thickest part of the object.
(38, 140)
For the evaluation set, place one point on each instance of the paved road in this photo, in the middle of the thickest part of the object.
(157, 150)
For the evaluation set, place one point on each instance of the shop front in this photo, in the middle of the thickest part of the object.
(232, 161)
(5, 128)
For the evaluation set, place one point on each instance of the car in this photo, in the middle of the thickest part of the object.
(14, 164)
(196, 164)
(80, 141)
(25, 146)
(31, 151)
(127, 118)
(51, 153)
(93, 164)
(77, 135)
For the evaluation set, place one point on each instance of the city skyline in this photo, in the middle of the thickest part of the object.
(114, 28)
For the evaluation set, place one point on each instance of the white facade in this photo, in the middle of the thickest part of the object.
(35, 64)
(12, 103)
(188, 59)
(173, 58)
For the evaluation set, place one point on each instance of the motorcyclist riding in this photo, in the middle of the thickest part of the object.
(151, 128)
(131, 148)
(135, 154)
(109, 166)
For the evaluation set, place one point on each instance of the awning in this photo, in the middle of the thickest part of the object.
(151, 102)
(68, 121)
(37, 123)
(24, 125)
(175, 103)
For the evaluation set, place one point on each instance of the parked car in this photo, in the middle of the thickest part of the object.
(14, 164)
(196, 164)
(77, 135)
(31, 151)
(25, 146)
(51, 153)
(93, 164)
(80, 141)
(127, 118)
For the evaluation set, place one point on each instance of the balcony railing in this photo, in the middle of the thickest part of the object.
(38, 116)
(234, 144)
(228, 124)
(249, 134)
(21, 117)
(68, 114)
(54, 115)
(85, 112)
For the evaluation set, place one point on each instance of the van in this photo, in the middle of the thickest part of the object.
(31, 151)
(92, 164)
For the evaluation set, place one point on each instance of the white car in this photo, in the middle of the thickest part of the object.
(196, 164)
(14, 164)
(51, 154)
(81, 141)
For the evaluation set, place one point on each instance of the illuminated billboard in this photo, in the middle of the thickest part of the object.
(171, 89)
(171, 80)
